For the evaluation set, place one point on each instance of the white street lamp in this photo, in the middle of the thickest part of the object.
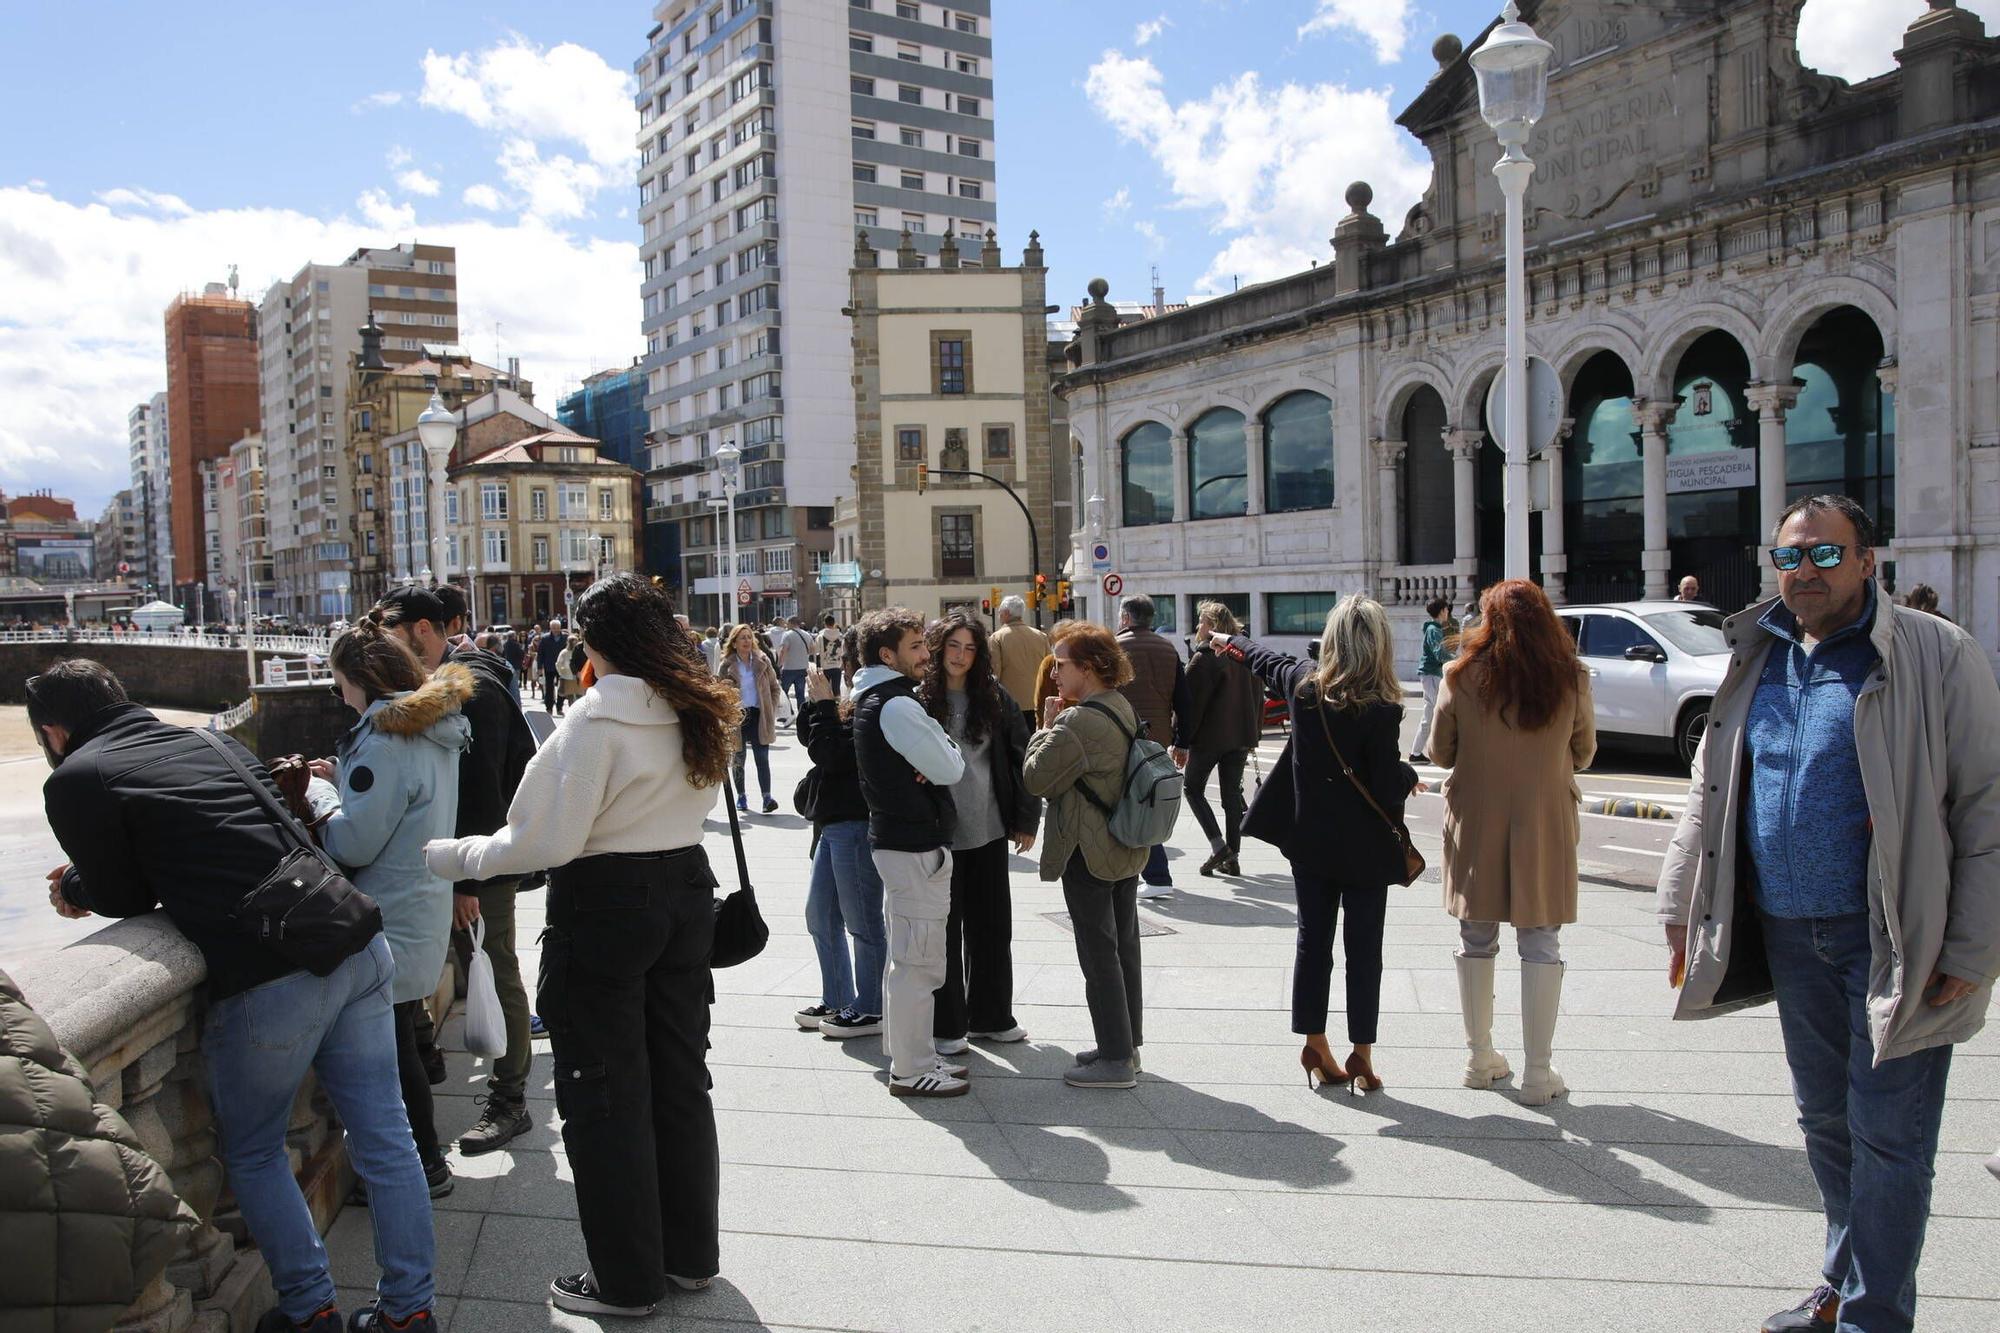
(1513, 69)
(471, 596)
(721, 579)
(730, 459)
(437, 429)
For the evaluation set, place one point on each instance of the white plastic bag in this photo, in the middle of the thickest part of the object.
(485, 1025)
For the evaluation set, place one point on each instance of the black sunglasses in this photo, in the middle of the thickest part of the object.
(1823, 556)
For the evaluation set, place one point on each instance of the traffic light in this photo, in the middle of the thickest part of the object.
(1041, 592)
(994, 594)
(923, 477)
(986, 606)
(1062, 594)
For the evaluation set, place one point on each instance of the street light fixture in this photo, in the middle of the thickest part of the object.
(437, 430)
(1513, 69)
(721, 577)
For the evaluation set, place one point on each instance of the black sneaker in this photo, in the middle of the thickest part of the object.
(500, 1123)
(578, 1294)
(370, 1319)
(537, 1030)
(770, 805)
(1819, 1310)
(326, 1321)
(847, 1024)
(438, 1176)
(809, 1017)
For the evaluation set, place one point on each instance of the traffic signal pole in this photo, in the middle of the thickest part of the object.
(1034, 535)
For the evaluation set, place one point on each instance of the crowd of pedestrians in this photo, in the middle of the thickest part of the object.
(1839, 855)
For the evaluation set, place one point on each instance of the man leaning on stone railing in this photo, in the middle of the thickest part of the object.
(151, 815)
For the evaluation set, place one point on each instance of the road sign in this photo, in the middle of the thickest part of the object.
(1113, 585)
(744, 593)
(1545, 406)
(1100, 556)
(124, 568)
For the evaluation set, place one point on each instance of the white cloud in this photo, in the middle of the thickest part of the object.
(1118, 204)
(87, 283)
(566, 93)
(1857, 39)
(1267, 166)
(1384, 24)
(482, 196)
(376, 102)
(416, 181)
(397, 156)
(1150, 29)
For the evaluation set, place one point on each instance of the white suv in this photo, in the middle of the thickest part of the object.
(1654, 667)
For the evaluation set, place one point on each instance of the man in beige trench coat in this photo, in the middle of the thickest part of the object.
(1841, 854)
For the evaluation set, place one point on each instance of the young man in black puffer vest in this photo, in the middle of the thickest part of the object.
(907, 765)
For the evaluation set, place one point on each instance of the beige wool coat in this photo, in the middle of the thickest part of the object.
(766, 702)
(1510, 804)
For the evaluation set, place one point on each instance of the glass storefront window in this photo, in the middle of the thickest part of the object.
(1149, 475)
(1218, 466)
(1298, 612)
(1841, 434)
(1603, 486)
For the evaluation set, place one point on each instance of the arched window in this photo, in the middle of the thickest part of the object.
(1603, 486)
(1711, 523)
(1298, 453)
(1148, 451)
(1841, 434)
(1218, 466)
(1429, 532)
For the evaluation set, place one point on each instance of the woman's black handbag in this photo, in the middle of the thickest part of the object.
(305, 911)
(740, 932)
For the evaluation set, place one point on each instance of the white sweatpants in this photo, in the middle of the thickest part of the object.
(916, 897)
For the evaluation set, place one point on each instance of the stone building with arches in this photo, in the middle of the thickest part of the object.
(1753, 281)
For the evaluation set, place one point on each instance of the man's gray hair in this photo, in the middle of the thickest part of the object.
(1015, 607)
(1139, 610)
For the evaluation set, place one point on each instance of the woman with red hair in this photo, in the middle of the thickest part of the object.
(1514, 723)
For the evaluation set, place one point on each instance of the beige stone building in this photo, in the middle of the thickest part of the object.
(951, 374)
(533, 520)
(1753, 281)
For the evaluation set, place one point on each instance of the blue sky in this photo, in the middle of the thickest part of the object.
(1213, 138)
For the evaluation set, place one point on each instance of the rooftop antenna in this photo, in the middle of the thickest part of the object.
(1159, 293)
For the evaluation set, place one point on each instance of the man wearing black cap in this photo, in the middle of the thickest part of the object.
(488, 774)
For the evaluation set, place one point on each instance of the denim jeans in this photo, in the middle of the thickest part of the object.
(752, 745)
(1871, 1130)
(259, 1045)
(843, 901)
(794, 684)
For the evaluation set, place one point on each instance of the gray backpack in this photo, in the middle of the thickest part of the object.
(1150, 801)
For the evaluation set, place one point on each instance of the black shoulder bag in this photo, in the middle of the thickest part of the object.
(305, 911)
(740, 932)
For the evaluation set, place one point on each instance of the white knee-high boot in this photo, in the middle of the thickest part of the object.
(1484, 1065)
(1541, 998)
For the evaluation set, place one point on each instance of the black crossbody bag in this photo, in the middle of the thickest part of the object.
(740, 932)
(305, 911)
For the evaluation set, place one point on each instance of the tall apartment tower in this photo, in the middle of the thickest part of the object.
(211, 404)
(139, 436)
(310, 332)
(770, 131)
(159, 497)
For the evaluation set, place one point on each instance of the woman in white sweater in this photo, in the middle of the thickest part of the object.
(614, 800)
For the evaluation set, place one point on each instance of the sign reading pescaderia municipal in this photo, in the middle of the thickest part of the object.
(1716, 471)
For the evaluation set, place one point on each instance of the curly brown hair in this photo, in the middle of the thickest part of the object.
(982, 691)
(629, 622)
(1520, 655)
(369, 656)
(1096, 650)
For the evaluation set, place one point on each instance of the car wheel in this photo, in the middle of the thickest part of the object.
(1693, 725)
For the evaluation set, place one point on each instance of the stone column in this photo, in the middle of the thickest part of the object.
(1555, 555)
(1253, 467)
(1113, 491)
(1654, 418)
(1463, 446)
(1388, 528)
(1183, 511)
(1771, 402)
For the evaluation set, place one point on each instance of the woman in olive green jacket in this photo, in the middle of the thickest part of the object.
(1079, 742)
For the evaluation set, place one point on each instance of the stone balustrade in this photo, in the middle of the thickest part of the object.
(128, 1002)
(1413, 585)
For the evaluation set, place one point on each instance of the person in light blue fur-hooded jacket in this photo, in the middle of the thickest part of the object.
(397, 773)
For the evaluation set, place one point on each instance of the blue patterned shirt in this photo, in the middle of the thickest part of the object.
(1807, 828)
